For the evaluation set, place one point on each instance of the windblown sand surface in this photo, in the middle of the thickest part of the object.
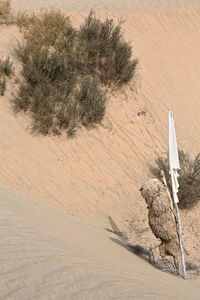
(101, 5)
(45, 252)
(48, 255)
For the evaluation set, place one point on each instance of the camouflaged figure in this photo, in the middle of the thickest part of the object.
(161, 218)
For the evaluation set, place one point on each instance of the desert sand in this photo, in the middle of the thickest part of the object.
(58, 195)
(102, 5)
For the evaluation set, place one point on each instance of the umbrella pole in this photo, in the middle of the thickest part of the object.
(182, 270)
(179, 230)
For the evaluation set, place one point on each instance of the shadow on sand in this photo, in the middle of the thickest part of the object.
(123, 241)
(140, 251)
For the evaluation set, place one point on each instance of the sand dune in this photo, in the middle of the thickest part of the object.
(49, 255)
(101, 5)
(98, 174)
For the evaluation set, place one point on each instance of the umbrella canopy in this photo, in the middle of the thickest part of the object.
(174, 165)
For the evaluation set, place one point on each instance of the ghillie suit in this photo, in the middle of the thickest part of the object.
(161, 218)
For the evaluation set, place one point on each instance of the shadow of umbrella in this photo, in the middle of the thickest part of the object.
(115, 229)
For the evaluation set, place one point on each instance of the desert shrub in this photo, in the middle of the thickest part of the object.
(6, 67)
(189, 179)
(61, 88)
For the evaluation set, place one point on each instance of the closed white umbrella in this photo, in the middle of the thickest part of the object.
(174, 166)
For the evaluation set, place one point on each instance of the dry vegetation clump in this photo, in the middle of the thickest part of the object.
(189, 180)
(66, 71)
(6, 70)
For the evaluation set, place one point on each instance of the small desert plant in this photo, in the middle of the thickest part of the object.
(63, 88)
(189, 179)
(6, 67)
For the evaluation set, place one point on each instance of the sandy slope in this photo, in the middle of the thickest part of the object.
(48, 255)
(101, 5)
(99, 173)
